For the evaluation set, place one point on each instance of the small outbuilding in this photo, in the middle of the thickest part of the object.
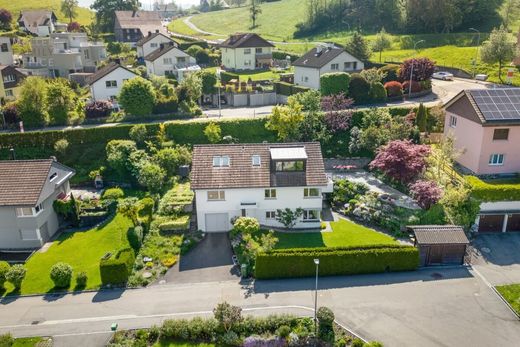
(440, 244)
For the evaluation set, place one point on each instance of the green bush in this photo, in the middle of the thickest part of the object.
(391, 71)
(166, 104)
(284, 331)
(325, 318)
(359, 89)
(6, 340)
(179, 224)
(226, 76)
(283, 88)
(113, 194)
(495, 190)
(4, 268)
(81, 279)
(115, 269)
(334, 83)
(61, 275)
(377, 92)
(137, 96)
(16, 275)
(283, 263)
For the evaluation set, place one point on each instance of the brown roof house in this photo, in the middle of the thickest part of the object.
(323, 59)
(39, 22)
(256, 180)
(485, 124)
(246, 51)
(28, 189)
(132, 26)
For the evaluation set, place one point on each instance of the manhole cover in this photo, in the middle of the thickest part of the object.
(436, 276)
(485, 250)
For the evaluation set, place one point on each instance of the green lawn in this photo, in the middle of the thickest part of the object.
(345, 233)
(511, 293)
(82, 250)
(182, 344)
(84, 14)
(28, 341)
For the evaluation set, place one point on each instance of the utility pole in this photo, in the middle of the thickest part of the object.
(411, 70)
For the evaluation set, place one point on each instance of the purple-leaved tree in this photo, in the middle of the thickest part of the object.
(426, 193)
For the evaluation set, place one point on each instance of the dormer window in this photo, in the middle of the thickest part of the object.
(293, 165)
(256, 161)
(221, 161)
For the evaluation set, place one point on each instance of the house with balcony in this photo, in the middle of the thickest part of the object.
(246, 51)
(132, 26)
(28, 189)
(105, 84)
(256, 180)
(62, 54)
(323, 59)
(151, 42)
(168, 60)
(39, 22)
(10, 83)
(6, 51)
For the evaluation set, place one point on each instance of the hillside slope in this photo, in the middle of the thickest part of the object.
(15, 6)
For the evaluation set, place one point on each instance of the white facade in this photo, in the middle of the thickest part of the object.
(109, 86)
(169, 62)
(6, 51)
(245, 58)
(152, 45)
(310, 76)
(251, 202)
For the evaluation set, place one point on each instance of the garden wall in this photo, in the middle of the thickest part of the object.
(286, 263)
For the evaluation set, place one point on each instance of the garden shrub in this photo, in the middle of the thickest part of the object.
(4, 268)
(245, 225)
(391, 71)
(393, 89)
(334, 83)
(166, 104)
(283, 88)
(296, 89)
(282, 263)
(61, 275)
(6, 340)
(113, 194)
(494, 190)
(11, 114)
(325, 318)
(179, 224)
(81, 279)
(115, 269)
(98, 109)
(137, 96)
(416, 87)
(138, 133)
(283, 331)
(226, 76)
(359, 89)
(377, 92)
(16, 275)
(135, 237)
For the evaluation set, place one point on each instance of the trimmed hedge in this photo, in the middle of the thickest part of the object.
(179, 224)
(334, 83)
(226, 76)
(288, 89)
(497, 190)
(298, 262)
(116, 269)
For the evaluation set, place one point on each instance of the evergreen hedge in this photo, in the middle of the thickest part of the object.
(298, 262)
(497, 190)
(117, 268)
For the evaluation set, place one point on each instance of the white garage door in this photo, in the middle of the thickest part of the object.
(217, 222)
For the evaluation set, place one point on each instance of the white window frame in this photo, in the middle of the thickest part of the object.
(110, 84)
(256, 160)
(221, 195)
(22, 212)
(307, 193)
(334, 67)
(36, 234)
(269, 215)
(9, 93)
(453, 121)
(167, 61)
(306, 215)
(38, 209)
(496, 159)
(221, 161)
(270, 194)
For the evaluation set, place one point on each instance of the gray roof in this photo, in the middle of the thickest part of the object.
(163, 48)
(245, 40)
(149, 36)
(34, 18)
(439, 234)
(499, 207)
(318, 59)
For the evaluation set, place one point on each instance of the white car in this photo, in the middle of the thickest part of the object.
(443, 75)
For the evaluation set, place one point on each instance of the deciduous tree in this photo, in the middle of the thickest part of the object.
(499, 49)
(137, 96)
(382, 42)
(358, 47)
(426, 193)
(286, 120)
(69, 9)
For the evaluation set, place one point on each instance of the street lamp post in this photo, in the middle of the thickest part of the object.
(411, 70)
(317, 263)
(476, 53)
(218, 86)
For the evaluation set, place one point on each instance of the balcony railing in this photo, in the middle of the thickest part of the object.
(65, 51)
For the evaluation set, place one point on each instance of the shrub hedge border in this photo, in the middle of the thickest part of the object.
(499, 191)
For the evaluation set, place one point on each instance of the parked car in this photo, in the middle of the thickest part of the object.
(443, 75)
(481, 77)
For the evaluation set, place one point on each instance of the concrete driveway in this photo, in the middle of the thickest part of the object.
(497, 257)
(210, 261)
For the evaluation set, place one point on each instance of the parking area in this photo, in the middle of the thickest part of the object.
(210, 261)
(497, 257)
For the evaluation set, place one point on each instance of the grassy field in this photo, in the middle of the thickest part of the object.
(511, 293)
(345, 233)
(84, 14)
(82, 250)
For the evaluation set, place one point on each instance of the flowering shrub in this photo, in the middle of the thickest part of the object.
(426, 193)
(393, 88)
(73, 27)
(416, 87)
(338, 111)
(11, 113)
(98, 109)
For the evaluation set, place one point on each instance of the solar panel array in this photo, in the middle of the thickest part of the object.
(498, 104)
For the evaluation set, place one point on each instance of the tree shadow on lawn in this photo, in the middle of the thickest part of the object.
(333, 282)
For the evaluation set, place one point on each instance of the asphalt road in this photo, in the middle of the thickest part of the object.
(449, 307)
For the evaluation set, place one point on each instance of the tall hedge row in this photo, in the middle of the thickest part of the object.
(496, 190)
(286, 263)
(288, 89)
(117, 268)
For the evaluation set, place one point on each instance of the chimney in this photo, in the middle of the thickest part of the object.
(318, 50)
(13, 154)
(149, 33)
(54, 158)
(161, 46)
(134, 12)
(156, 31)
(117, 61)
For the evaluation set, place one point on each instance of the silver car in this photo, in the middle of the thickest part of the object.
(443, 75)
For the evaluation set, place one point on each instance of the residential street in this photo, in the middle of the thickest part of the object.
(434, 307)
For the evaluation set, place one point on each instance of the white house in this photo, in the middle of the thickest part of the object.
(246, 52)
(170, 60)
(255, 180)
(6, 51)
(106, 83)
(39, 22)
(321, 60)
(151, 42)
(28, 189)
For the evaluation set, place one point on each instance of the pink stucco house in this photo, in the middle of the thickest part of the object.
(485, 124)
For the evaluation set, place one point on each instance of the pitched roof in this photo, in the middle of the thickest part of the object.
(164, 48)
(439, 234)
(136, 19)
(491, 106)
(104, 71)
(34, 18)
(319, 56)
(242, 174)
(245, 40)
(22, 181)
(150, 36)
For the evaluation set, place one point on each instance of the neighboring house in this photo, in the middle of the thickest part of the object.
(6, 51)
(10, 83)
(106, 83)
(131, 26)
(323, 59)
(151, 42)
(485, 125)
(28, 189)
(246, 52)
(62, 54)
(255, 180)
(38, 22)
(170, 60)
